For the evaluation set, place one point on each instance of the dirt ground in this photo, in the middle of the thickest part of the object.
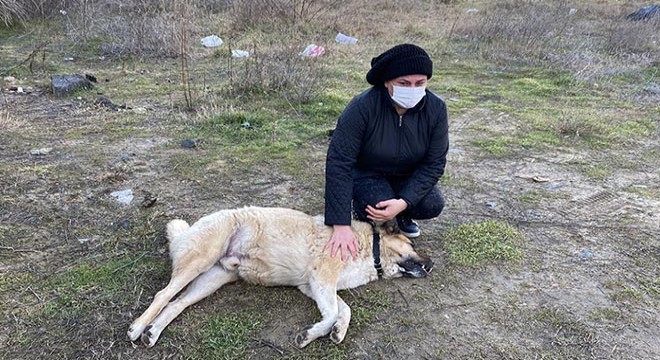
(587, 288)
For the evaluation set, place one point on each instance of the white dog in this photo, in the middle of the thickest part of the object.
(274, 247)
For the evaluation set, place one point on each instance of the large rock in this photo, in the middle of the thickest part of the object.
(645, 13)
(64, 85)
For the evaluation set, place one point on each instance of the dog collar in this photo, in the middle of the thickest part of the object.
(376, 252)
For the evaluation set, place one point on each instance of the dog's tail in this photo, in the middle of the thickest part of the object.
(175, 228)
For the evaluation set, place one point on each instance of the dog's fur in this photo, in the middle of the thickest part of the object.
(271, 246)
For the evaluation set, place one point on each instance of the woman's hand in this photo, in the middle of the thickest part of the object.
(342, 239)
(386, 210)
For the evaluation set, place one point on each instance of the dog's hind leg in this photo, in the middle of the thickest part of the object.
(203, 286)
(325, 296)
(181, 276)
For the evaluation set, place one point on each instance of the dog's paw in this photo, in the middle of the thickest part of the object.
(134, 332)
(303, 338)
(335, 334)
(148, 337)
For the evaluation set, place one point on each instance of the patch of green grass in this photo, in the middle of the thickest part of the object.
(327, 108)
(482, 243)
(366, 306)
(227, 335)
(597, 171)
(14, 280)
(497, 146)
(83, 286)
(603, 314)
(623, 293)
(565, 331)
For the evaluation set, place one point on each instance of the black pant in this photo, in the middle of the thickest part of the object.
(374, 189)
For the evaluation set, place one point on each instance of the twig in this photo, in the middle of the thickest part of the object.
(35, 294)
(270, 345)
(131, 264)
(18, 250)
(463, 304)
(404, 298)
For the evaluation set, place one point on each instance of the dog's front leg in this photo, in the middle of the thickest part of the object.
(325, 296)
(341, 326)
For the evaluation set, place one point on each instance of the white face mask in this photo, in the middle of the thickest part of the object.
(408, 97)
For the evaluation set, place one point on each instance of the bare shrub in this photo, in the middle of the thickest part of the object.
(12, 11)
(593, 41)
(20, 11)
(275, 13)
(633, 37)
(516, 29)
(278, 69)
(138, 28)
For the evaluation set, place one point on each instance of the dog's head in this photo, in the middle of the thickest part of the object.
(399, 257)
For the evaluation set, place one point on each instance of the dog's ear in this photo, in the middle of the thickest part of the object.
(391, 227)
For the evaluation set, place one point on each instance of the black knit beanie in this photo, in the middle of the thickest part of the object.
(404, 59)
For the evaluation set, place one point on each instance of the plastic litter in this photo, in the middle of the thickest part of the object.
(42, 151)
(345, 39)
(123, 196)
(585, 254)
(212, 41)
(472, 11)
(313, 50)
(240, 53)
(572, 11)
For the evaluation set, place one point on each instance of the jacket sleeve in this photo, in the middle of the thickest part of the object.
(341, 159)
(432, 166)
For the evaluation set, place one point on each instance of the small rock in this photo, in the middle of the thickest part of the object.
(63, 85)
(91, 78)
(124, 224)
(105, 102)
(148, 200)
(189, 144)
(491, 204)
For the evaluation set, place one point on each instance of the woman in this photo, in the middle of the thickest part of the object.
(388, 150)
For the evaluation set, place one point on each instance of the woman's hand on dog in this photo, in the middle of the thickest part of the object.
(342, 240)
(386, 210)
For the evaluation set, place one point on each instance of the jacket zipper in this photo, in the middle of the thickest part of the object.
(400, 120)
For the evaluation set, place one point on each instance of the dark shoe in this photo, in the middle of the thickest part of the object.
(408, 226)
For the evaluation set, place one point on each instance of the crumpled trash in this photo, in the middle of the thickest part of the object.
(345, 39)
(123, 196)
(585, 254)
(42, 151)
(313, 50)
(211, 41)
(472, 11)
(240, 53)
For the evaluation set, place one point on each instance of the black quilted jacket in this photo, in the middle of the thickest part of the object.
(372, 139)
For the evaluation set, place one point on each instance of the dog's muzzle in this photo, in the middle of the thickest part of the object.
(416, 269)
